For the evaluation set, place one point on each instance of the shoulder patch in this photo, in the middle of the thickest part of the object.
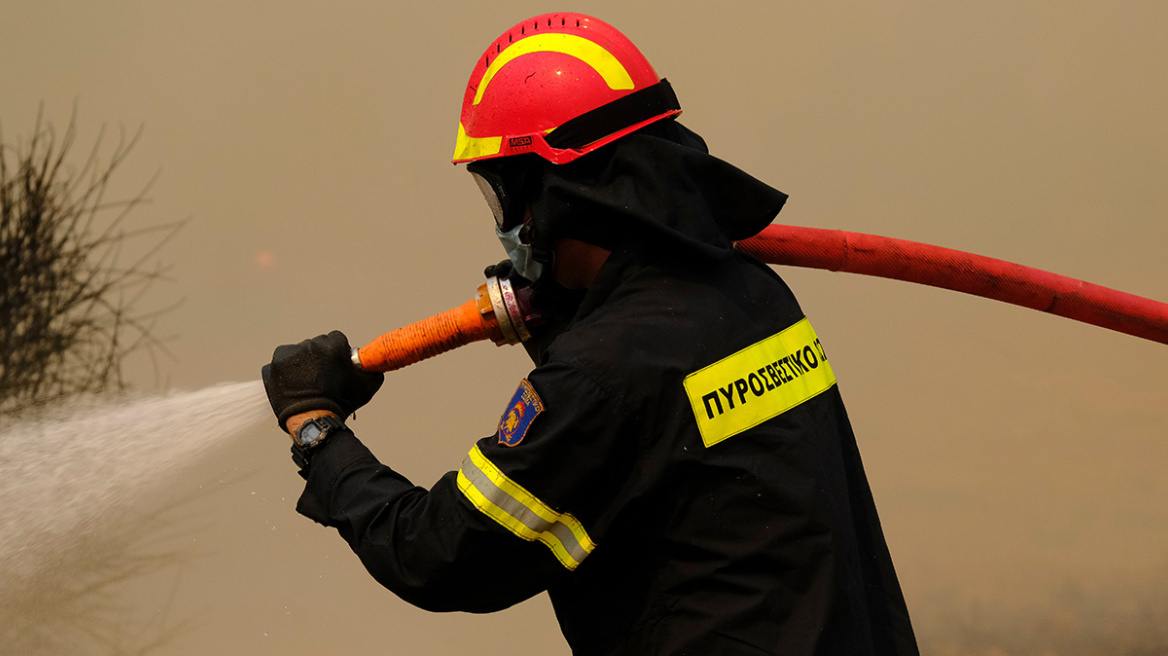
(524, 407)
(758, 383)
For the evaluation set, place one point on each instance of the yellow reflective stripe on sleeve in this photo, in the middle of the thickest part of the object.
(508, 503)
(760, 382)
(601, 60)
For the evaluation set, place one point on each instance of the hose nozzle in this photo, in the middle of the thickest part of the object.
(499, 312)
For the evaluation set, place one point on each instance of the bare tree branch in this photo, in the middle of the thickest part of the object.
(68, 306)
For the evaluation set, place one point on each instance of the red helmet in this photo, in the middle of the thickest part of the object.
(560, 86)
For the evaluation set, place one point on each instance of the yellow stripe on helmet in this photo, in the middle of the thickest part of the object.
(468, 147)
(589, 52)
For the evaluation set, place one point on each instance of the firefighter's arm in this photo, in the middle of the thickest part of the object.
(525, 509)
(430, 547)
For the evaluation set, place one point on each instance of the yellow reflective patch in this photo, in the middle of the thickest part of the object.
(519, 511)
(468, 147)
(760, 382)
(589, 52)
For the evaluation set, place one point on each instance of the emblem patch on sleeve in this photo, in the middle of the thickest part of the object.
(525, 406)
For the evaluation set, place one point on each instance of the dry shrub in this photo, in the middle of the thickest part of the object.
(68, 294)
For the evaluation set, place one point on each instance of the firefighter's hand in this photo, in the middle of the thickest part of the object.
(503, 269)
(317, 374)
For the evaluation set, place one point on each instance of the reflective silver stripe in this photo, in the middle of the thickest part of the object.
(529, 518)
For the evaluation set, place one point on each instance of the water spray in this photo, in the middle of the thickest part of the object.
(503, 314)
(73, 467)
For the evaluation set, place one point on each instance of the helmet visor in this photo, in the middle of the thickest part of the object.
(492, 198)
(503, 183)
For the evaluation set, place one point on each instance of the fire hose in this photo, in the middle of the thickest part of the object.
(502, 313)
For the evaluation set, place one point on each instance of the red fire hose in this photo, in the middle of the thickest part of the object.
(496, 314)
(898, 259)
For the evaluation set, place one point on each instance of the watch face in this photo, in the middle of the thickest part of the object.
(309, 434)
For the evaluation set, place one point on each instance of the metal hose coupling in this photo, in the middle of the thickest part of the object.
(500, 312)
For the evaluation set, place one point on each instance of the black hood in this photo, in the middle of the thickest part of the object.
(658, 186)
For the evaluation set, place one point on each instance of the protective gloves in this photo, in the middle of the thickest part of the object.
(317, 374)
(504, 269)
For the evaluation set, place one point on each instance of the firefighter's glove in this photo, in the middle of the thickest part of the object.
(502, 270)
(317, 374)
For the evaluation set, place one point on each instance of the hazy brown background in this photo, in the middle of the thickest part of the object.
(1019, 461)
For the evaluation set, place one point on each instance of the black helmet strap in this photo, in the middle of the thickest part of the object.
(617, 115)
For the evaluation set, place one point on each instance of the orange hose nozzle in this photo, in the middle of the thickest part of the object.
(498, 312)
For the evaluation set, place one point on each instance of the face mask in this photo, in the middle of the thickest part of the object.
(520, 253)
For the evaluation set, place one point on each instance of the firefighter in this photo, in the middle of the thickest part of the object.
(678, 471)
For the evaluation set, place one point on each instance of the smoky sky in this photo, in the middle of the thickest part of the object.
(1019, 461)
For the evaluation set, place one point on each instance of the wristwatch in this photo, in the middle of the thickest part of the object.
(310, 435)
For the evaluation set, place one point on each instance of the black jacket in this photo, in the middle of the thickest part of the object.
(678, 471)
(602, 490)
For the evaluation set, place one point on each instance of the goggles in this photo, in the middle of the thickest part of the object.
(503, 183)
